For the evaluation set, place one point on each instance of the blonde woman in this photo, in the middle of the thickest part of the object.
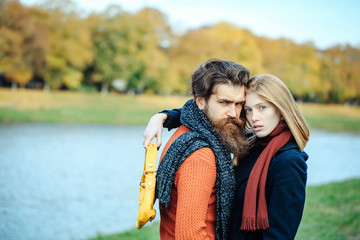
(271, 179)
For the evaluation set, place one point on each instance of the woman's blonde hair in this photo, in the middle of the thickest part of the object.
(273, 90)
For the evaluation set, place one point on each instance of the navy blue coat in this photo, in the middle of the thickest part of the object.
(284, 190)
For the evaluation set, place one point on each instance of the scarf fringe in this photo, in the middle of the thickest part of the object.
(262, 224)
(248, 224)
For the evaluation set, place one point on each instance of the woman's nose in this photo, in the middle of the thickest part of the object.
(254, 116)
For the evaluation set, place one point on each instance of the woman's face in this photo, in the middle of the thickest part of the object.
(262, 115)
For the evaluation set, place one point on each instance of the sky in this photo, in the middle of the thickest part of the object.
(324, 22)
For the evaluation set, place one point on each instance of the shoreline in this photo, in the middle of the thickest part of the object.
(33, 106)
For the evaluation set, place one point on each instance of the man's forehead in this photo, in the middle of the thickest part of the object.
(229, 92)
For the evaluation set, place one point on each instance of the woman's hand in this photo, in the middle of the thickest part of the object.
(154, 129)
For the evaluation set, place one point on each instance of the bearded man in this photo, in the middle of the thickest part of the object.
(195, 178)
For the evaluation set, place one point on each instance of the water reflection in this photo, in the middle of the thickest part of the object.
(62, 181)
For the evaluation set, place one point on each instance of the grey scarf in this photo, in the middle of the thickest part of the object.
(201, 135)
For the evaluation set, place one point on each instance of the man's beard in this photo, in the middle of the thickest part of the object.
(231, 134)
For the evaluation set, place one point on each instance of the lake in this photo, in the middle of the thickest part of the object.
(72, 182)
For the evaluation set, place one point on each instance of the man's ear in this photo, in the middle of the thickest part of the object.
(200, 101)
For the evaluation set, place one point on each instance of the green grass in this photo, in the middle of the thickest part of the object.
(332, 117)
(334, 123)
(332, 212)
(76, 107)
(78, 115)
(149, 232)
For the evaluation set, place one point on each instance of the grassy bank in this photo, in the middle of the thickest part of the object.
(332, 212)
(72, 107)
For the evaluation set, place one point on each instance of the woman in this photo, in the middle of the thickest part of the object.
(271, 179)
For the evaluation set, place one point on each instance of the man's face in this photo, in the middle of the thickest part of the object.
(226, 102)
(223, 110)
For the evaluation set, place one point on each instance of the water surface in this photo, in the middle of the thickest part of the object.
(70, 182)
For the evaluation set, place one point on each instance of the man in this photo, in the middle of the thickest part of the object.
(195, 178)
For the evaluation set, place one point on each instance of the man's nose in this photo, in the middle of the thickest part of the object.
(231, 111)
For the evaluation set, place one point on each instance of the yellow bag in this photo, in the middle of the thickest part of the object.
(147, 188)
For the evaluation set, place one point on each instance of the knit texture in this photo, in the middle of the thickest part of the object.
(192, 210)
(201, 135)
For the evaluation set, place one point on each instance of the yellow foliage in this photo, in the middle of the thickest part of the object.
(142, 49)
(73, 79)
(20, 75)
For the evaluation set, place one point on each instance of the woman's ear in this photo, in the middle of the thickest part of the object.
(200, 102)
(282, 118)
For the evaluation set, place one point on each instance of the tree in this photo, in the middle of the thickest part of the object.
(19, 37)
(131, 47)
(70, 44)
(221, 40)
(344, 62)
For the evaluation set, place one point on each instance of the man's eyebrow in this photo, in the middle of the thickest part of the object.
(231, 101)
(225, 100)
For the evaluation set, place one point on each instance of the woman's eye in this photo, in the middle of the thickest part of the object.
(247, 110)
(262, 107)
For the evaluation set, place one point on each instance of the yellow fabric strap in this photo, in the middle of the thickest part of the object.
(147, 188)
(150, 161)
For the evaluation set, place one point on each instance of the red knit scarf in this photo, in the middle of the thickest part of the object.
(255, 215)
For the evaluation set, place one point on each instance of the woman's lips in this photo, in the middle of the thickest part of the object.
(257, 128)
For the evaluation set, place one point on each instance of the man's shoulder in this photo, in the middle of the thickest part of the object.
(205, 154)
(180, 131)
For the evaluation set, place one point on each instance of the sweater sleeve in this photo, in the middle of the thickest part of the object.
(287, 183)
(173, 118)
(195, 181)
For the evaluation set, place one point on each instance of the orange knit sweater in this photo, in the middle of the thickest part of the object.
(192, 210)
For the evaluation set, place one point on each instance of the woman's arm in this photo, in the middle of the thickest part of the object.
(168, 119)
(173, 118)
(286, 186)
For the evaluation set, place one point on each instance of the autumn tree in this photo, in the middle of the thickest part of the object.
(348, 67)
(222, 40)
(131, 47)
(54, 40)
(22, 50)
(69, 44)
